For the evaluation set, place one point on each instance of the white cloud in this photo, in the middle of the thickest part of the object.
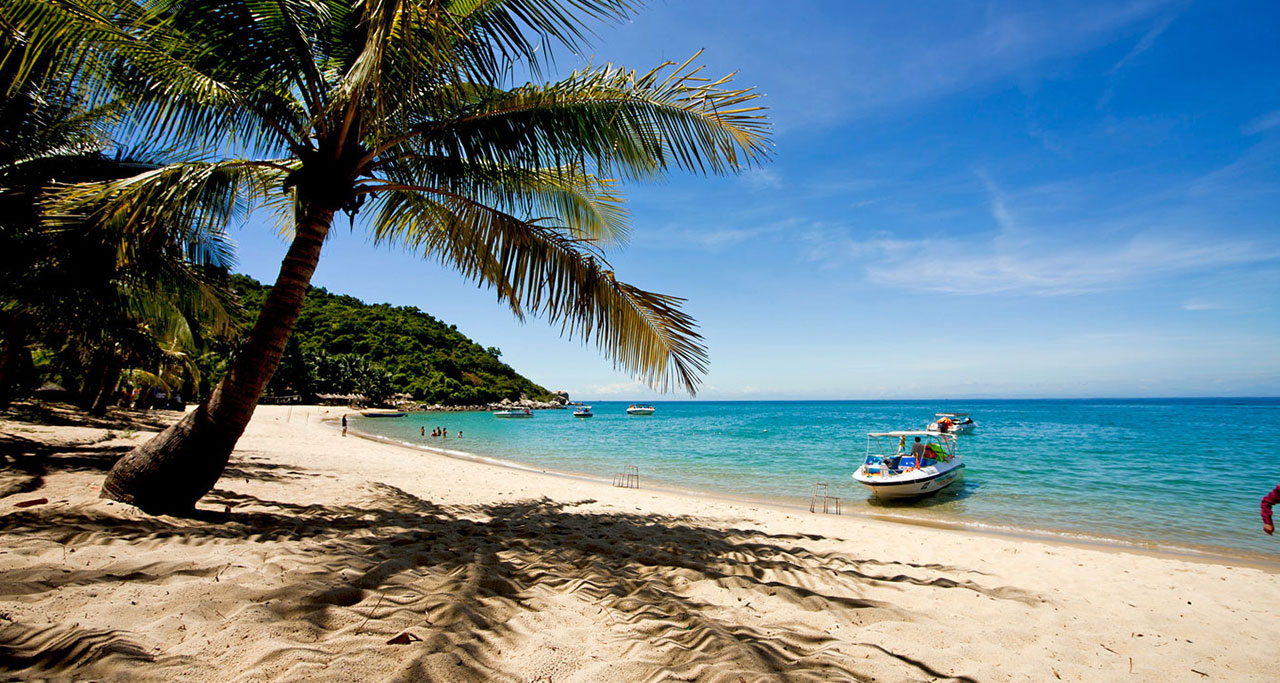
(918, 65)
(1145, 43)
(617, 389)
(1262, 123)
(1198, 304)
(1042, 257)
(762, 179)
(709, 238)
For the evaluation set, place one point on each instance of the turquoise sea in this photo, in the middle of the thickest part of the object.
(1174, 474)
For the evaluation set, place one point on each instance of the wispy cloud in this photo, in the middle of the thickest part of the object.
(762, 179)
(1198, 304)
(1043, 267)
(1262, 123)
(709, 238)
(1008, 41)
(1041, 257)
(1144, 43)
(617, 389)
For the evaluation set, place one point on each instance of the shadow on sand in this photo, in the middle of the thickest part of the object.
(463, 579)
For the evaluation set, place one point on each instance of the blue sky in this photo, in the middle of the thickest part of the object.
(996, 199)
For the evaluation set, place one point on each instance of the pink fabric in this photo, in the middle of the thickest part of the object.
(1267, 501)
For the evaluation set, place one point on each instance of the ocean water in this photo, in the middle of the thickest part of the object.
(1176, 474)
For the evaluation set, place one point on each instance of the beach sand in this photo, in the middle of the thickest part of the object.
(323, 557)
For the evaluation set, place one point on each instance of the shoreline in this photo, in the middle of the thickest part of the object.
(1206, 554)
(319, 557)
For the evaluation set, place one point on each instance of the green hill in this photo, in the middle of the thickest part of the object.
(342, 345)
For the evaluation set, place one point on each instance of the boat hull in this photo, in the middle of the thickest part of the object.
(910, 484)
(640, 411)
(510, 415)
(376, 414)
(955, 429)
(584, 415)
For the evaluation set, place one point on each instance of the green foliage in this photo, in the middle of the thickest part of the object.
(340, 345)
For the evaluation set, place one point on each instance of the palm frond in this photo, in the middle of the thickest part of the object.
(628, 124)
(540, 269)
(590, 208)
(524, 30)
(188, 203)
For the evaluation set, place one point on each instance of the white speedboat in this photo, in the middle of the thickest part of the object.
(584, 411)
(952, 423)
(637, 409)
(513, 413)
(908, 464)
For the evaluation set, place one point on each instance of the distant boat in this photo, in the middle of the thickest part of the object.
(636, 409)
(891, 471)
(584, 411)
(513, 413)
(952, 423)
(382, 413)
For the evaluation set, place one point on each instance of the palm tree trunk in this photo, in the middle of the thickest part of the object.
(172, 471)
(111, 379)
(93, 379)
(15, 340)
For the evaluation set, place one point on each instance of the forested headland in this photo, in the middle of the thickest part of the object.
(342, 345)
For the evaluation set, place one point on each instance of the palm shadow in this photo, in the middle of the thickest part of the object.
(462, 575)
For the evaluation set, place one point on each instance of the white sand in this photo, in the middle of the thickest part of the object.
(336, 545)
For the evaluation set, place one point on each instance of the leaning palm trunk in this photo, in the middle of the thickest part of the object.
(402, 105)
(172, 471)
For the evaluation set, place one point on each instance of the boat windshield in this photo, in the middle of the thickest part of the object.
(930, 445)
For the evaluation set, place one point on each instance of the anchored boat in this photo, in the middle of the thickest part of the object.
(584, 411)
(382, 413)
(910, 463)
(513, 413)
(636, 409)
(952, 423)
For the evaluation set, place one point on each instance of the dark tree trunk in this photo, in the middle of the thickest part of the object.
(93, 380)
(15, 343)
(111, 379)
(172, 471)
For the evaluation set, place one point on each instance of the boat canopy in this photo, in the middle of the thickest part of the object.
(952, 414)
(914, 432)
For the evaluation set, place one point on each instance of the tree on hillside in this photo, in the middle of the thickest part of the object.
(402, 109)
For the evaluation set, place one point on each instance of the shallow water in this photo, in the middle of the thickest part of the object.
(1180, 473)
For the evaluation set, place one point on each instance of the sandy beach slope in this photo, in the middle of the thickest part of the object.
(330, 558)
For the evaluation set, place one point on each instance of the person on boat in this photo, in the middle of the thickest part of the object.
(1267, 502)
(918, 449)
(944, 425)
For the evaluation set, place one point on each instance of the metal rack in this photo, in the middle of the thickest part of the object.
(830, 504)
(628, 478)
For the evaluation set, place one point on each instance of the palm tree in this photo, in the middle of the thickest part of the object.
(400, 108)
(97, 295)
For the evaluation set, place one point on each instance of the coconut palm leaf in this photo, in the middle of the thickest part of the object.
(541, 269)
(188, 203)
(635, 125)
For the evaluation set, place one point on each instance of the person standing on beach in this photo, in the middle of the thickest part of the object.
(1267, 501)
(344, 425)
